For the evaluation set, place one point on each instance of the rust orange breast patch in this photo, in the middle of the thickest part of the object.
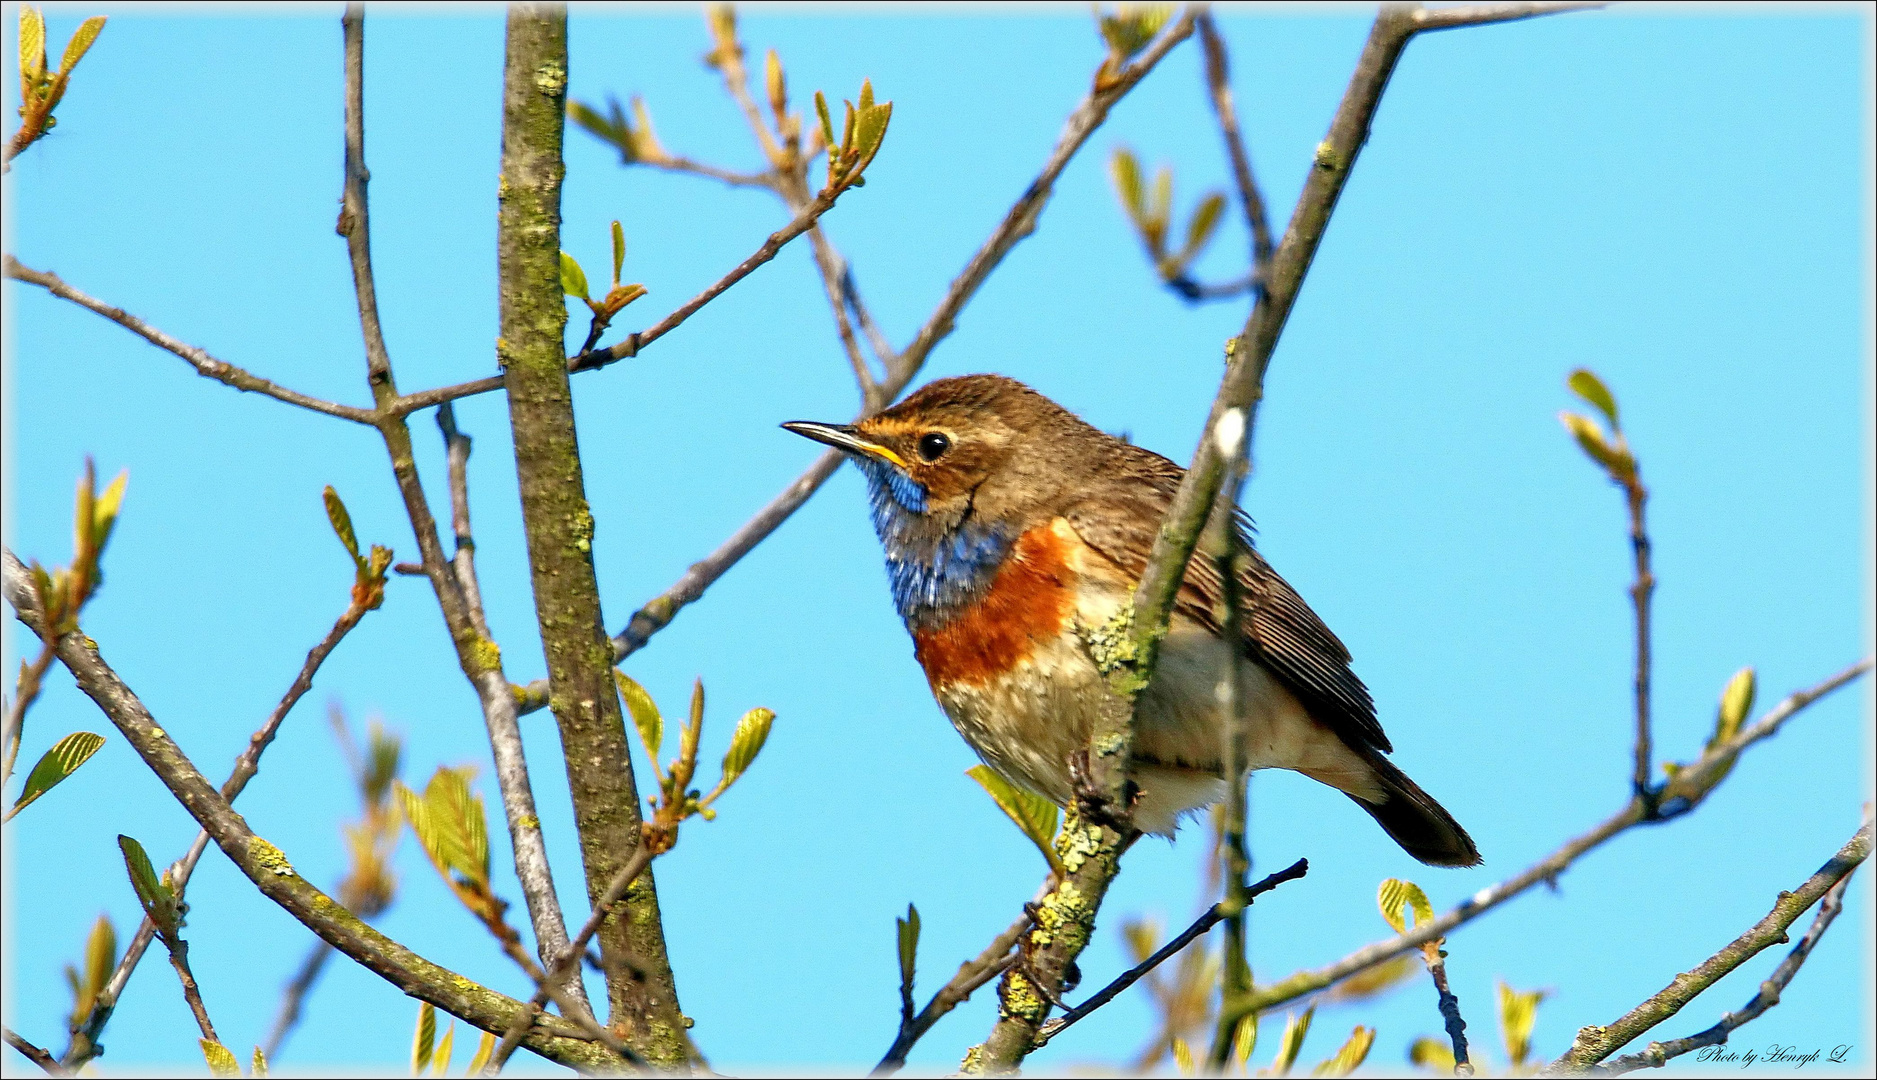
(1029, 602)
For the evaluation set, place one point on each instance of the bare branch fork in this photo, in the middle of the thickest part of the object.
(267, 866)
(84, 1044)
(1594, 1044)
(1692, 784)
(1659, 1053)
(972, 974)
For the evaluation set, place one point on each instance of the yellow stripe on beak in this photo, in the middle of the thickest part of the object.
(843, 438)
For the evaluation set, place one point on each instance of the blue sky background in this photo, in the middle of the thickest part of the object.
(1677, 200)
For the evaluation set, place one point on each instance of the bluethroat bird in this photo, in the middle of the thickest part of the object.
(1009, 523)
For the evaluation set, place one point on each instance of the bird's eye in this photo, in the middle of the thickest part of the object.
(933, 445)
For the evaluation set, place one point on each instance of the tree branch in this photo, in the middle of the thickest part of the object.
(36, 1055)
(1767, 996)
(1219, 86)
(1213, 916)
(205, 365)
(599, 358)
(559, 527)
(480, 659)
(1637, 497)
(972, 974)
(267, 867)
(568, 962)
(1593, 1044)
(1224, 546)
(294, 998)
(84, 1045)
(1692, 784)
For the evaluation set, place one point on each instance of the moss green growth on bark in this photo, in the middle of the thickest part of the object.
(560, 528)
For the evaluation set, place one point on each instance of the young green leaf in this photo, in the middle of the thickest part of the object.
(1585, 384)
(870, 129)
(645, 715)
(222, 1061)
(1142, 937)
(776, 83)
(1125, 169)
(104, 512)
(1035, 815)
(1244, 1041)
(827, 124)
(1200, 229)
(1431, 1053)
(573, 280)
(1518, 1010)
(32, 53)
(908, 928)
(619, 251)
(1589, 436)
(1736, 702)
(483, 1050)
(82, 38)
(1295, 1028)
(425, 1040)
(1160, 208)
(751, 732)
(1371, 982)
(1351, 1056)
(157, 900)
(100, 954)
(446, 1049)
(461, 823)
(342, 524)
(1183, 1057)
(645, 144)
(1395, 894)
(58, 763)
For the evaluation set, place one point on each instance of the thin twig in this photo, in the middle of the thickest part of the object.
(480, 661)
(205, 365)
(294, 998)
(25, 692)
(1692, 785)
(1640, 592)
(669, 163)
(972, 974)
(1767, 996)
(1205, 922)
(1449, 18)
(568, 961)
(179, 959)
(36, 1055)
(1219, 84)
(458, 446)
(1226, 548)
(267, 867)
(85, 1041)
(599, 358)
(1593, 1044)
(1450, 1014)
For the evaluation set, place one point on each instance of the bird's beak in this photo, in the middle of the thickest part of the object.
(842, 437)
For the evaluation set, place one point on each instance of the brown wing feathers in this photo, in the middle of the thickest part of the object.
(1278, 628)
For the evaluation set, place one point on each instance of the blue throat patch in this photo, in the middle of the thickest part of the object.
(929, 574)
